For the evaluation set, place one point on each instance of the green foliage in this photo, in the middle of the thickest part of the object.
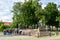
(30, 12)
(3, 26)
(25, 13)
(52, 13)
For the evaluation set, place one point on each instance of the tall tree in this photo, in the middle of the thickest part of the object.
(25, 13)
(16, 13)
(52, 13)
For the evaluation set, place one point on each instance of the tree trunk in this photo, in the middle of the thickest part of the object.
(27, 26)
(37, 25)
(34, 26)
(57, 31)
(17, 28)
(50, 30)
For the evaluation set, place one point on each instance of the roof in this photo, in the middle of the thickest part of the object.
(7, 22)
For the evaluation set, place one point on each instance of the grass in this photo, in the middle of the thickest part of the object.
(57, 39)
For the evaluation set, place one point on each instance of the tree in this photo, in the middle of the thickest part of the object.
(16, 13)
(52, 13)
(58, 18)
(25, 13)
(3, 26)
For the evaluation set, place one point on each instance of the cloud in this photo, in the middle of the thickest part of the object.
(6, 7)
(18, 0)
(5, 10)
(6, 18)
(43, 6)
(6, 15)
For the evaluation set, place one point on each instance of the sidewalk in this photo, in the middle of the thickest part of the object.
(29, 38)
(50, 38)
(18, 37)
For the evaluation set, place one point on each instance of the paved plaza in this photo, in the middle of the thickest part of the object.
(29, 38)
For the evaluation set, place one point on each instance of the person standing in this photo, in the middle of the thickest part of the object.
(5, 31)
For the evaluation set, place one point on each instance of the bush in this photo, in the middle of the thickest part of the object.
(2, 27)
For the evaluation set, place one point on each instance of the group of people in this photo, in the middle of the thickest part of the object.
(14, 31)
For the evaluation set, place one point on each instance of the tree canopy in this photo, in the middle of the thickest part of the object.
(52, 13)
(30, 13)
(26, 13)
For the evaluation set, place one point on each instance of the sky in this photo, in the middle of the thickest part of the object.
(6, 7)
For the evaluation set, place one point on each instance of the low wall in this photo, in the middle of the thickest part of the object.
(44, 33)
(34, 32)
